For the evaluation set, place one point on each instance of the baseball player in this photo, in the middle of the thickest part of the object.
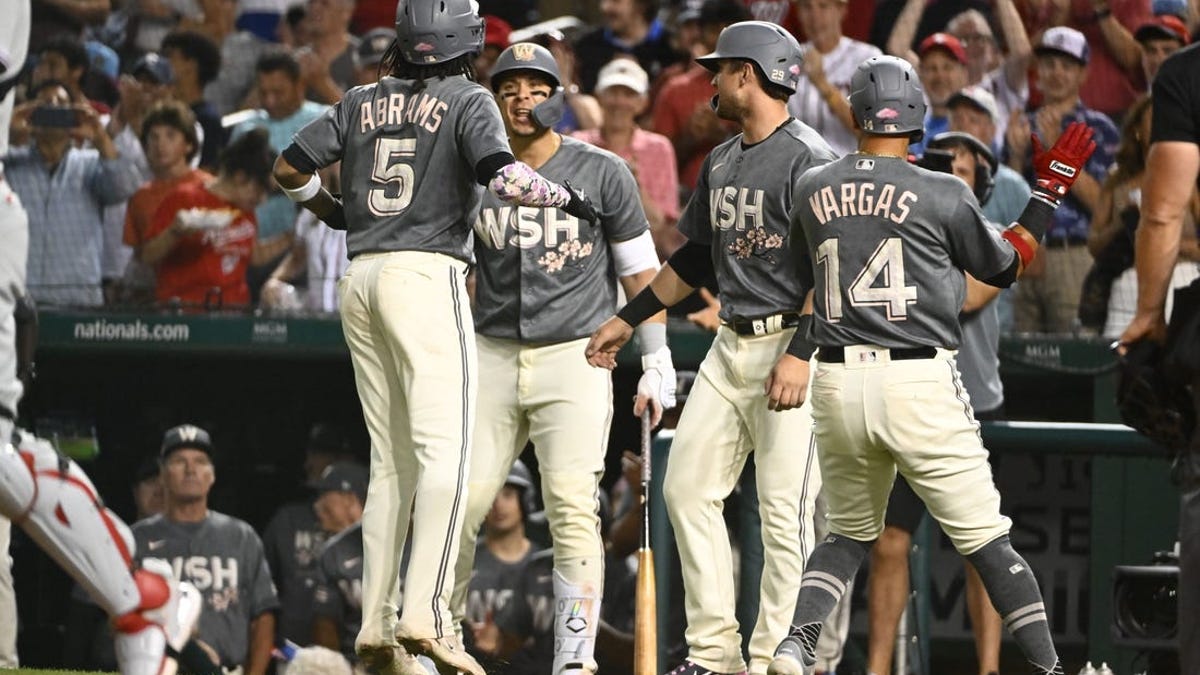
(884, 245)
(500, 559)
(736, 223)
(544, 280)
(416, 150)
(218, 554)
(971, 160)
(50, 496)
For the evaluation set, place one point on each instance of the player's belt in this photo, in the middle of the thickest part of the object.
(766, 325)
(838, 354)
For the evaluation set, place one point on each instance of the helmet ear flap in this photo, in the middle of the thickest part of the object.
(550, 112)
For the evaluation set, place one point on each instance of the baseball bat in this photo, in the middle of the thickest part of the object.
(645, 642)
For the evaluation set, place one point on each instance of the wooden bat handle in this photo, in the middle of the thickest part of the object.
(645, 641)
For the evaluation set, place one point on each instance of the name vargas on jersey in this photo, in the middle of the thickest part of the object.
(862, 199)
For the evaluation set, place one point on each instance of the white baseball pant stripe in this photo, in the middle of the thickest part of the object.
(406, 322)
(875, 416)
(726, 417)
(550, 395)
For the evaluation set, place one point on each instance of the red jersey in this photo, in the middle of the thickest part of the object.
(145, 202)
(205, 260)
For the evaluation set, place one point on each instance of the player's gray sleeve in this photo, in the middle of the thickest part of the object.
(694, 222)
(479, 128)
(260, 585)
(621, 211)
(327, 599)
(974, 244)
(324, 138)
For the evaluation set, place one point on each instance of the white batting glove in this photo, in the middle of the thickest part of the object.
(657, 385)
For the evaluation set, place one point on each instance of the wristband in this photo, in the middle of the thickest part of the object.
(799, 346)
(1036, 217)
(304, 192)
(643, 306)
(1024, 251)
(651, 337)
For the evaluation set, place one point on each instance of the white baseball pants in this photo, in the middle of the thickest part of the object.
(726, 417)
(408, 323)
(874, 416)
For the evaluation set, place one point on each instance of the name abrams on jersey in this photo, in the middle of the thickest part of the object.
(397, 109)
(862, 199)
(525, 227)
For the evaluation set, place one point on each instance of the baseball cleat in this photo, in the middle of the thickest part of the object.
(789, 658)
(447, 654)
(390, 660)
(690, 667)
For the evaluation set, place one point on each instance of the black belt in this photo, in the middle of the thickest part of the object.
(1064, 242)
(838, 354)
(766, 325)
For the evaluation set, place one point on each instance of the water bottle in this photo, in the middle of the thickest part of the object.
(1104, 669)
(1088, 669)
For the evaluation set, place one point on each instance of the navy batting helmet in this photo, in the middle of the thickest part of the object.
(429, 32)
(886, 98)
(529, 57)
(520, 478)
(769, 47)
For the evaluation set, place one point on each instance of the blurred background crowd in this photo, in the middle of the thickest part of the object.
(154, 189)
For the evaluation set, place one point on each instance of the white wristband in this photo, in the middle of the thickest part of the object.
(304, 192)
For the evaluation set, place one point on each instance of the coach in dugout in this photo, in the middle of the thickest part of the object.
(221, 555)
(1172, 169)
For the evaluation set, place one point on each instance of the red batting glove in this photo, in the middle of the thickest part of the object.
(1057, 169)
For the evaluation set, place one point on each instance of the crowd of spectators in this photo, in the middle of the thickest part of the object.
(134, 153)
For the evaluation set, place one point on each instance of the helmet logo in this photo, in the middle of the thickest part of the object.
(794, 70)
(887, 114)
(423, 47)
(524, 51)
(777, 75)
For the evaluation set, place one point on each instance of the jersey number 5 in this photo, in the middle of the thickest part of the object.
(868, 289)
(391, 166)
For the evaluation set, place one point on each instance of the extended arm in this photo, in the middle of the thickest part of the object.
(900, 43)
(262, 636)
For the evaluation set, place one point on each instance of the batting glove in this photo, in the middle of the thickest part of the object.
(1057, 169)
(579, 205)
(658, 378)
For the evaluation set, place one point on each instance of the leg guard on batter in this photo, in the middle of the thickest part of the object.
(54, 501)
(576, 623)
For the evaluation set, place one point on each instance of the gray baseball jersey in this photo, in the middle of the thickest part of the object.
(396, 142)
(291, 542)
(223, 558)
(886, 244)
(494, 583)
(531, 616)
(338, 592)
(740, 207)
(544, 275)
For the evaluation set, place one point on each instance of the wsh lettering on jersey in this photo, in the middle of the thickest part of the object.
(528, 227)
(862, 199)
(735, 208)
(215, 577)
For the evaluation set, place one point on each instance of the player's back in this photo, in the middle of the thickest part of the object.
(408, 161)
(887, 245)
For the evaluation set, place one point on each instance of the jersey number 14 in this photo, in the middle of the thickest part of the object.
(879, 284)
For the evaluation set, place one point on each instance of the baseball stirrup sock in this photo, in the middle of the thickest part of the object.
(1015, 593)
(830, 568)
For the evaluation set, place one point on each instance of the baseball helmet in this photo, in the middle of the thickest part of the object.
(985, 165)
(529, 57)
(520, 478)
(769, 47)
(886, 98)
(429, 32)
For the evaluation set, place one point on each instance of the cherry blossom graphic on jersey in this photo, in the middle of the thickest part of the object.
(569, 253)
(757, 243)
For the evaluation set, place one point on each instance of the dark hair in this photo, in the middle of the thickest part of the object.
(723, 13)
(393, 64)
(649, 9)
(1130, 159)
(278, 61)
(196, 47)
(69, 47)
(250, 154)
(773, 90)
(175, 115)
(49, 84)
